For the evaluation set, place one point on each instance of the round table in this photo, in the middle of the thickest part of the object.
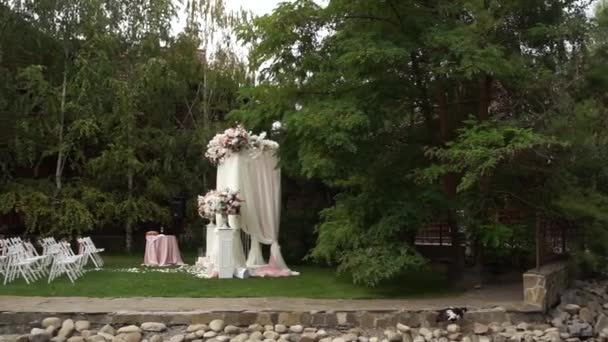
(162, 250)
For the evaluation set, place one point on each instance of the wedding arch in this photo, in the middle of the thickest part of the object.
(248, 164)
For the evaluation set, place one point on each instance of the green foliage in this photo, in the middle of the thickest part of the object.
(359, 85)
(481, 148)
(113, 108)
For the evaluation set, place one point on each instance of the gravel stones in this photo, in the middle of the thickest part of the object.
(280, 328)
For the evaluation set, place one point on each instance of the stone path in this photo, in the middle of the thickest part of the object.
(508, 297)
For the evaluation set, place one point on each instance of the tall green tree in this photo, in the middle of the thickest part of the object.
(371, 92)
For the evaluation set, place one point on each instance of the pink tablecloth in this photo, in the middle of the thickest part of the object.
(162, 250)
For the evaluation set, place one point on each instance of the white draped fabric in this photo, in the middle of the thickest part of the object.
(258, 178)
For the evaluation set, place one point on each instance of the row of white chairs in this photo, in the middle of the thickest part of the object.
(20, 259)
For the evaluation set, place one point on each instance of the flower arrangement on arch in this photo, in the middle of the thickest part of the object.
(235, 140)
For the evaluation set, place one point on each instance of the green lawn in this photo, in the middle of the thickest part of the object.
(313, 282)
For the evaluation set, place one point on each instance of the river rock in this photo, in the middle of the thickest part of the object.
(196, 327)
(217, 325)
(480, 329)
(51, 329)
(403, 328)
(392, 336)
(76, 339)
(280, 328)
(240, 338)
(67, 328)
(88, 333)
(133, 336)
(231, 329)
(484, 339)
(37, 331)
(177, 338)
(580, 329)
(51, 321)
(156, 338)
(587, 315)
(105, 336)
(338, 339)
(572, 309)
(129, 329)
(271, 335)
(308, 337)
(256, 327)
(437, 333)
(153, 326)
(40, 337)
(453, 328)
(95, 338)
(209, 334)
(296, 329)
(256, 335)
(349, 337)
(108, 329)
(82, 325)
(455, 336)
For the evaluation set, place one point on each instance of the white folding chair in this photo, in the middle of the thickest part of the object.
(64, 261)
(88, 248)
(20, 264)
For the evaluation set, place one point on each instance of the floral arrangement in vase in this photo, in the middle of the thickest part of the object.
(233, 202)
(211, 204)
(216, 204)
(235, 140)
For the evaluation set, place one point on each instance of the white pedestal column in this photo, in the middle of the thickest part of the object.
(225, 259)
(210, 240)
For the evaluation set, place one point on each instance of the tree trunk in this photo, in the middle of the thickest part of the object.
(60, 153)
(129, 222)
(485, 97)
(456, 269)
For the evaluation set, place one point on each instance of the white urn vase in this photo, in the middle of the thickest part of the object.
(234, 221)
(220, 220)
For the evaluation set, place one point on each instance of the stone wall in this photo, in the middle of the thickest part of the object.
(543, 287)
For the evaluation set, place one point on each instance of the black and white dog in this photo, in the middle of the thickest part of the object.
(451, 314)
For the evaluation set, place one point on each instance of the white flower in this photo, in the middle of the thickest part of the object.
(277, 125)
